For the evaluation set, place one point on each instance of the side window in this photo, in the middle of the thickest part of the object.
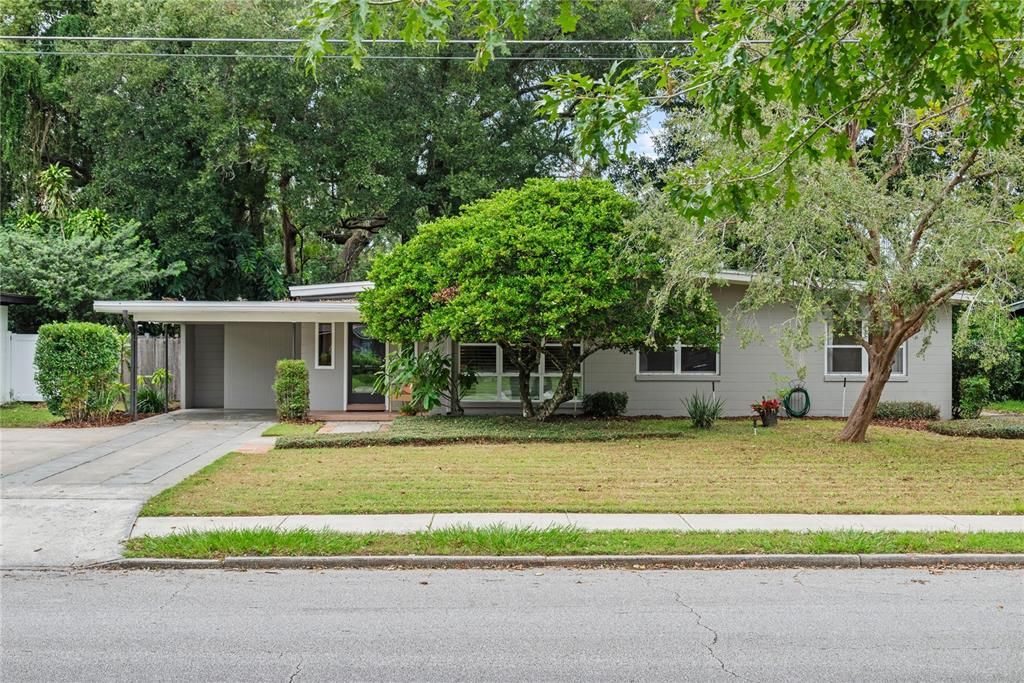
(324, 346)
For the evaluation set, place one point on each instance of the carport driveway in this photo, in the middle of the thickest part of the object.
(69, 496)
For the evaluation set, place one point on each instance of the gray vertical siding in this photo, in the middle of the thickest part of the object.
(326, 386)
(251, 354)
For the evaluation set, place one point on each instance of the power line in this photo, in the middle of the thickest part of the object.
(256, 55)
(343, 41)
(398, 41)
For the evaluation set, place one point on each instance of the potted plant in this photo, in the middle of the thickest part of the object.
(768, 409)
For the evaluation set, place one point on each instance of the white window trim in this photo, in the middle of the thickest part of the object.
(677, 364)
(499, 360)
(864, 363)
(316, 346)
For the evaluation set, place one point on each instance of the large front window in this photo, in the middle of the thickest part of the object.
(679, 360)
(498, 378)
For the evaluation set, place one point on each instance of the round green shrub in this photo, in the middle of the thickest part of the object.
(605, 403)
(77, 369)
(291, 390)
(974, 395)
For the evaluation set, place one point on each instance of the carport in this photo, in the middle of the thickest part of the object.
(229, 349)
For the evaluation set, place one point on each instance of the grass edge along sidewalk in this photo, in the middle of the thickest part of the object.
(561, 541)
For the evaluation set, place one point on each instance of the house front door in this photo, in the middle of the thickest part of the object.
(365, 358)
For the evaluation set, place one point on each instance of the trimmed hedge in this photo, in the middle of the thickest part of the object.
(605, 403)
(386, 439)
(987, 427)
(77, 369)
(906, 410)
(291, 390)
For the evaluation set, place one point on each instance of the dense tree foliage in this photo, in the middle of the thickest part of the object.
(245, 167)
(67, 258)
(548, 269)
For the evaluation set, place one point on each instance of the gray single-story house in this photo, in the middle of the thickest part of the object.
(229, 350)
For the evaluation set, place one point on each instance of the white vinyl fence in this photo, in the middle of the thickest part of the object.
(21, 368)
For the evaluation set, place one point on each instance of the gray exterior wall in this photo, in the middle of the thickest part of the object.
(326, 386)
(759, 369)
(745, 374)
(251, 352)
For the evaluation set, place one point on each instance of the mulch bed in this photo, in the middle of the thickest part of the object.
(916, 425)
(111, 420)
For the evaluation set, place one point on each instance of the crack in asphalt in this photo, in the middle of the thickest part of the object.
(298, 667)
(710, 647)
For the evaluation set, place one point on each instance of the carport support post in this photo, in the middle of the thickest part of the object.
(167, 364)
(133, 365)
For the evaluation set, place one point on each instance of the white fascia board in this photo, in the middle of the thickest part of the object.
(330, 289)
(744, 278)
(233, 311)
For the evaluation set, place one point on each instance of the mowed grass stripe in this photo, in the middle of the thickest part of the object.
(498, 540)
(797, 468)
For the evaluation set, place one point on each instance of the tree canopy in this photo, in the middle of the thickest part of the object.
(243, 166)
(547, 269)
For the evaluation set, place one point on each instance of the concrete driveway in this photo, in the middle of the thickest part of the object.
(69, 496)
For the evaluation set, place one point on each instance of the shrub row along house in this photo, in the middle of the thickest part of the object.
(229, 351)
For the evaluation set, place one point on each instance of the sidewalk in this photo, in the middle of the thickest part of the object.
(158, 526)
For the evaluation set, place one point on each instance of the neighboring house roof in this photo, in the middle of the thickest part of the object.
(7, 298)
(232, 311)
(332, 290)
(1017, 308)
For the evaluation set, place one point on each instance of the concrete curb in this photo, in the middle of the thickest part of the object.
(1015, 560)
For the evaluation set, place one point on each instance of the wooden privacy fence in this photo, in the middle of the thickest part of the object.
(151, 359)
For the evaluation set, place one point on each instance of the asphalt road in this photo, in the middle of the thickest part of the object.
(784, 625)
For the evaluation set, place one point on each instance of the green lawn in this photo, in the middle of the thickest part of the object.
(293, 429)
(1007, 407)
(561, 541)
(26, 415)
(797, 467)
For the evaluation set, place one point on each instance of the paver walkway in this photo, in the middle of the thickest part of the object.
(155, 526)
(69, 496)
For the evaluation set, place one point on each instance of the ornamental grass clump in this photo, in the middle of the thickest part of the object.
(703, 410)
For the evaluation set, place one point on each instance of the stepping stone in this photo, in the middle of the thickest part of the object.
(349, 427)
(261, 444)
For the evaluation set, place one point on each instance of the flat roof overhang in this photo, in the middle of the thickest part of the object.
(233, 311)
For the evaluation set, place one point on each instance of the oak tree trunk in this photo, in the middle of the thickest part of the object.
(288, 231)
(880, 359)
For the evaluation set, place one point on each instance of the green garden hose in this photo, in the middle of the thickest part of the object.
(797, 402)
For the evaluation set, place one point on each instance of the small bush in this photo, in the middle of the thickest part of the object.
(703, 410)
(150, 396)
(605, 403)
(291, 390)
(987, 427)
(974, 395)
(149, 400)
(77, 369)
(906, 410)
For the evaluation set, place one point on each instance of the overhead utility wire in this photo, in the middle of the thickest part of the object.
(256, 55)
(432, 41)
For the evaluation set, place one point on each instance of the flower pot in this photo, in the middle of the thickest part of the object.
(769, 419)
